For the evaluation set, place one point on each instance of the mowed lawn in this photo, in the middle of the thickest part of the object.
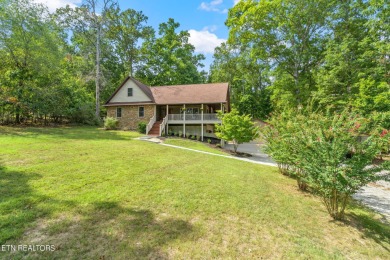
(98, 194)
(196, 145)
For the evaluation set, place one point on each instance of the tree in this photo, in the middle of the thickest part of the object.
(236, 128)
(126, 29)
(288, 36)
(30, 48)
(170, 59)
(326, 148)
(248, 79)
(90, 24)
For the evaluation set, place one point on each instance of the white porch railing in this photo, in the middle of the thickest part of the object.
(210, 117)
(163, 124)
(193, 117)
(150, 124)
(176, 117)
(197, 117)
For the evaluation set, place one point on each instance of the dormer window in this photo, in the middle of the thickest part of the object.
(130, 92)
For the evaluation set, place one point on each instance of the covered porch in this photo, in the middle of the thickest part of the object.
(185, 116)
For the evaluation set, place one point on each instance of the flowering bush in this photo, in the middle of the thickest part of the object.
(324, 152)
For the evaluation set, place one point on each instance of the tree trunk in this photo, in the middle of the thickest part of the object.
(17, 114)
(235, 146)
(97, 80)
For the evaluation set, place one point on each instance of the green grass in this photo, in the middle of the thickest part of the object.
(196, 145)
(99, 194)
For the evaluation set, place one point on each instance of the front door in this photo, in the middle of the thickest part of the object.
(161, 113)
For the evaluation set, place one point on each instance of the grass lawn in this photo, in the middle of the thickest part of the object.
(196, 145)
(100, 194)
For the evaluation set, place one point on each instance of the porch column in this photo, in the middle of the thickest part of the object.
(167, 127)
(202, 123)
(184, 122)
(222, 141)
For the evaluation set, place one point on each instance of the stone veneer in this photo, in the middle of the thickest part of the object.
(130, 119)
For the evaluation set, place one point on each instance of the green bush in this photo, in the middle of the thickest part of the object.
(236, 128)
(111, 123)
(83, 114)
(324, 151)
(142, 127)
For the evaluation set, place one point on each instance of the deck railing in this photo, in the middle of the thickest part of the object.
(196, 117)
(193, 117)
(210, 117)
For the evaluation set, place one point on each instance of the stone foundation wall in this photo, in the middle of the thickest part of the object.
(130, 119)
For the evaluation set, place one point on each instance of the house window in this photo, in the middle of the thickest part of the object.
(130, 92)
(141, 111)
(118, 112)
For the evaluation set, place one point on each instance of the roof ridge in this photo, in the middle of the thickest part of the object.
(193, 84)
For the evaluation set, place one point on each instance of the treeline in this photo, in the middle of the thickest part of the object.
(60, 67)
(284, 54)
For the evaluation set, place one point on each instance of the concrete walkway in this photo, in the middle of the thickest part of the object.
(249, 159)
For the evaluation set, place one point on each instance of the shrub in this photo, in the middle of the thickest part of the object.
(142, 127)
(111, 123)
(315, 148)
(83, 114)
(236, 128)
(209, 140)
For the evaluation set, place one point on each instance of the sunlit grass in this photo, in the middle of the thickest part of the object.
(196, 145)
(100, 194)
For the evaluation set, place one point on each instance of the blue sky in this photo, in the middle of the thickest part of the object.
(203, 19)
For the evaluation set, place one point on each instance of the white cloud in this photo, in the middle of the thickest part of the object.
(211, 28)
(204, 41)
(54, 4)
(213, 6)
(236, 1)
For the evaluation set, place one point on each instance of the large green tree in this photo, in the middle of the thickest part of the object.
(30, 50)
(89, 25)
(248, 77)
(355, 63)
(126, 29)
(170, 59)
(288, 36)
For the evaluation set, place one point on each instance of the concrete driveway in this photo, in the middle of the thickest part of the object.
(253, 148)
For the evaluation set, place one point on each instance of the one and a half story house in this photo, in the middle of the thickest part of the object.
(186, 109)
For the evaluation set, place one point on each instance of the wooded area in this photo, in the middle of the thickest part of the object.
(60, 67)
(287, 53)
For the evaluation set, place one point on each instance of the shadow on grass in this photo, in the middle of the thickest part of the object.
(78, 133)
(100, 229)
(106, 229)
(362, 218)
(17, 203)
